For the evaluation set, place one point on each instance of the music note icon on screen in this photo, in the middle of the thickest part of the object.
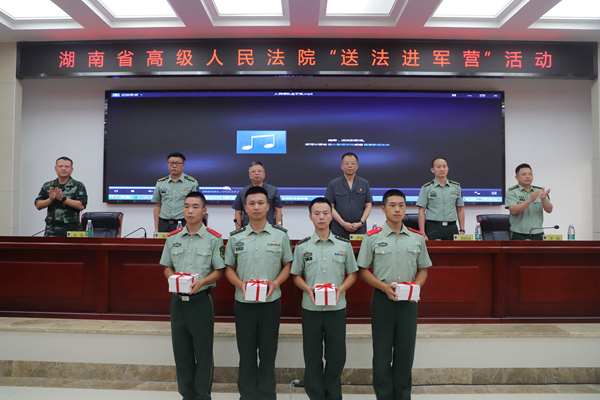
(269, 145)
(261, 142)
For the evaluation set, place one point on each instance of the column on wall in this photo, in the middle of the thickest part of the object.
(596, 159)
(10, 140)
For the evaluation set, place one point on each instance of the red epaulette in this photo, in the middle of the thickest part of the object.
(175, 231)
(415, 231)
(217, 234)
(374, 231)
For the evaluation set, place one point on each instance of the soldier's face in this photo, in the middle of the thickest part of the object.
(525, 177)
(63, 168)
(320, 215)
(193, 210)
(175, 165)
(394, 209)
(440, 168)
(256, 206)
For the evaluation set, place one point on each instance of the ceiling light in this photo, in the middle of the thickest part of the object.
(359, 7)
(249, 8)
(583, 9)
(138, 8)
(471, 8)
(32, 9)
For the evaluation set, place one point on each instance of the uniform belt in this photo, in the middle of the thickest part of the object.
(195, 296)
(172, 221)
(443, 223)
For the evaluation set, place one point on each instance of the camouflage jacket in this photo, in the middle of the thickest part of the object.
(60, 214)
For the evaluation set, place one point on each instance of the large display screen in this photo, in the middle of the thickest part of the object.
(300, 137)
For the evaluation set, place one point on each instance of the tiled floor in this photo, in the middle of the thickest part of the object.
(38, 393)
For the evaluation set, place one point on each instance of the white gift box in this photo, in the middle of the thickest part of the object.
(181, 283)
(256, 290)
(325, 295)
(407, 291)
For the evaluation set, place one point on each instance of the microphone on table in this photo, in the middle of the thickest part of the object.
(130, 233)
(542, 228)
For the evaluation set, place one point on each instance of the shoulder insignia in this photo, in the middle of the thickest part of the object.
(175, 231)
(454, 182)
(374, 231)
(513, 187)
(281, 228)
(189, 178)
(217, 234)
(343, 239)
(306, 239)
(163, 179)
(536, 187)
(415, 231)
(428, 183)
(242, 229)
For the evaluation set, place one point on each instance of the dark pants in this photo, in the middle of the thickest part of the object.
(257, 330)
(165, 225)
(522, 236)
(329, 327)
(394, 330)
(192, 327)
(435, 230)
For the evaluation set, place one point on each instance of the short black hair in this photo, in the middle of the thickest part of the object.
(253, 163)
(438, 158)
(319, 200)
(176, 154)
(255, 190)
(198, 195)
(64, 158)
(392, 192)
(351, 155)
(521, 166)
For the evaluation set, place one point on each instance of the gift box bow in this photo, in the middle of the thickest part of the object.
(180, 275)
(257, 282)
(325, 286)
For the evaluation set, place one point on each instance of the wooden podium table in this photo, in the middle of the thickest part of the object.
(469, 282)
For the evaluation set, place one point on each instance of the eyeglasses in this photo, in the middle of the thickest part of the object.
(174, 164)
(349, 163)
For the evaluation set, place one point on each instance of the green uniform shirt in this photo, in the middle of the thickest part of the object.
(171, 194)
(441, 201)
(258, 255)
(532, 217)
(59, 214)
(323, 261)
(199, 253)
(395, 257)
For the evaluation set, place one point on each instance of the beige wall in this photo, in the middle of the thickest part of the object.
(10, 140)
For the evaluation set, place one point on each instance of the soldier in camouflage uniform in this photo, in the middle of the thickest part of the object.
(65, 198)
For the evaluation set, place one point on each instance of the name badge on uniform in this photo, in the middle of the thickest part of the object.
(521, 198)
(433, 193)
(382, 244)
(307, 256)
(176, 244)
(239, 246)
(163, 191)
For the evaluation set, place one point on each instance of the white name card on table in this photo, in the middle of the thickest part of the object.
(407, 291)
(464, 237)
(325, 295)
(256, 290)
(181, 282)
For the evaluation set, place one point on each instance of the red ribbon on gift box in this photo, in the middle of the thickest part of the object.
(181, 274)
(411, 284)
(257, 282)
(325, 286)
